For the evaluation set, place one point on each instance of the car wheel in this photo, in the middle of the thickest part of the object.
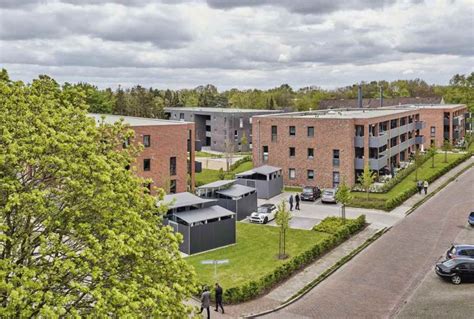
(456, 279)
(265, 220)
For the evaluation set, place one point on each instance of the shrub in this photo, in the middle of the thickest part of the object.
(240, 161)
(331, 225)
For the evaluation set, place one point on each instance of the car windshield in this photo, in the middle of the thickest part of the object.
(327, 192)
(262, 209)
(472, 214)
(449, 263)
(307, 190)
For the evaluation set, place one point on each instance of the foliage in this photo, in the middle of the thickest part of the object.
(431, 153)
(366, 179)
(206, 154)
(221, 174)
(252, 260)
(80, 236)
(282, 219)
(343, 196)
(244, 142)
(418, 161)
(340, 227)
(461, 90)
(446, 147)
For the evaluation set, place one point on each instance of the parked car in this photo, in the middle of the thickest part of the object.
(329, 195)
(264, 214)
(457, 251)
(470, 219)
(310, 193)
(456, 270)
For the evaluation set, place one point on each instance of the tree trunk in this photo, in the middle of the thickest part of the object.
(432, 161)
(343, 214)
(445, 156)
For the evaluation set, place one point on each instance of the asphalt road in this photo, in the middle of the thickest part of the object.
(379, 281)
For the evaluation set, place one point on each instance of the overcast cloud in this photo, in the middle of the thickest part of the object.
(236, 43)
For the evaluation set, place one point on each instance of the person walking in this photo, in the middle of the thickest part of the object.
(419, 185)
(290, 200)
(425, 187)
(219, 292)
(206, 301)
(297, 201)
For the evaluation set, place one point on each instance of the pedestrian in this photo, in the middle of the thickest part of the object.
(425, 187)
(291, 202)
(419, 185)
(206, 301)
(297, 202)
(218, 298)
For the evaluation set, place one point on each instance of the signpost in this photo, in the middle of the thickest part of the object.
(215, 262)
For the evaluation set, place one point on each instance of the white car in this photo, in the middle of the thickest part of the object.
(329, 195)
(264, 214)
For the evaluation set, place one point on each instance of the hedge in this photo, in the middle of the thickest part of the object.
(339, 232)
(240, 161)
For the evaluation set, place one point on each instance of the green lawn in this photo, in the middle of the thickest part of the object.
(254, 255)
(212, 175)
(424, 172)
(206, 154)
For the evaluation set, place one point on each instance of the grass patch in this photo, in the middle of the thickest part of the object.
(254, 255)
(206, 154)
(425, 172)
(295, 189)
(211, 175)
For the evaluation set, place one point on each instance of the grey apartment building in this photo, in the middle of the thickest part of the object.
(215, 126)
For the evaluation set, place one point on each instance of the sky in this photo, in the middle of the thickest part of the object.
(236, 43)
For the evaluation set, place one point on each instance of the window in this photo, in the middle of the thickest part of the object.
(265, 153)
(433, 131)
(173, 186)
(310, 131)
(172, 166)
(292, 173)
(310, 174)
(292, 130)
(335, 157)
(292, 152)
(274, 133)
(241, 122)
(146, 140)
(126, 143)
(146, 164)
(310, 153)
(335, 179)
(250, 120)
(181, 116)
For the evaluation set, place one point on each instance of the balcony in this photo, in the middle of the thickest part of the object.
(378, 141)
(358, 141)
(404, 129)
(208, 134)
(198, 167)
(446, 121)
(419, 125)
(456, 121)
(359, 163)
(378, 163)
(419, 139)
(208, 122)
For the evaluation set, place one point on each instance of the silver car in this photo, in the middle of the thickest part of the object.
(328, 195)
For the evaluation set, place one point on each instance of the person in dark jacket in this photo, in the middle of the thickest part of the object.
(297, 201)
(419, 185)
(219, 292)
(290, 200)
(206, 301)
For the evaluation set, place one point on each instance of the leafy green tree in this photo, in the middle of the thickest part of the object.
(244, 141)
(432, 153)
(79, 235)
(282, 219)
(366, 179)
(343, 196)
(418, 158)
(447, 146)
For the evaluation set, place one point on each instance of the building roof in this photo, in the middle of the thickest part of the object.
(219, 110)
(373, 103)
(264, 170)
(218, 184)
(236, 190)
(345, 113)
(203, 214)
(183, 199)
(433, 106)
(133, 121)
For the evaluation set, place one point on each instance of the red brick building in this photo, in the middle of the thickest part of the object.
(168, 154)
(322, 148)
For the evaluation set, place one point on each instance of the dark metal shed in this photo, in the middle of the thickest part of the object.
(266, 179)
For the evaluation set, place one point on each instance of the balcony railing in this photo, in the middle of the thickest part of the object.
(378, 141)
(208, 122)
(419, 139)
(359, 141)
(419, 125)
(359, 163)
(208, 134)
(378, 163)
(446, 121)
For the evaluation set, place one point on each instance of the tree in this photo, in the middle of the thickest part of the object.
(367, 179)
(244, 142)
(447, 146)
(282, 219)
(343, 196)
(432, 153)
(79, 235)
(418, 158)
(229, 149)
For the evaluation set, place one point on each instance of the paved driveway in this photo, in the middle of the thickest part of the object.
(378, 281)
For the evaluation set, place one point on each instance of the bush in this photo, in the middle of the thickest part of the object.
(240, 161)
(331, 225)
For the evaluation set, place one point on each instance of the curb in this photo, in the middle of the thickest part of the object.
(328, 272)
(446, 183)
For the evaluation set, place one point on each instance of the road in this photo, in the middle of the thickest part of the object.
(382, 278)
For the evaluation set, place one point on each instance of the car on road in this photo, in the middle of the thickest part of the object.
(311, 193)
(470, 219)
(264, 214)
(329, 195)
(460, 251)
(456, 270)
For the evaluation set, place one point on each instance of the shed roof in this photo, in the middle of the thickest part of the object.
(183, 199)
(202, 214)
(264, 170)
(236, 190)
(218, 184)
(133, 120)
